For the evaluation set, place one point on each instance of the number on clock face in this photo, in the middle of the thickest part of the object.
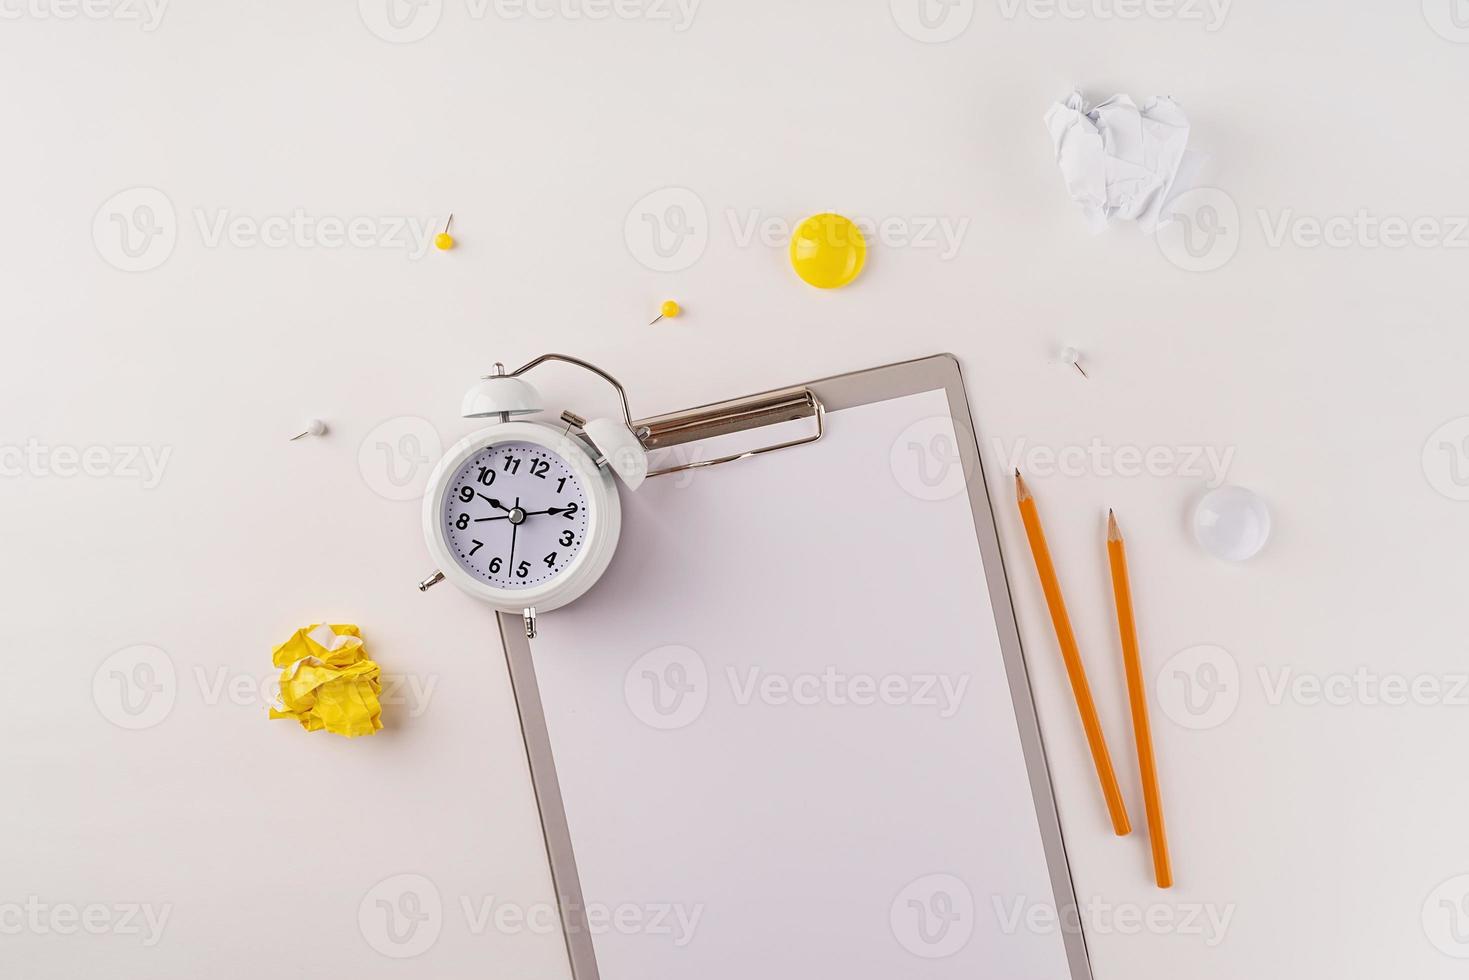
(515, 515)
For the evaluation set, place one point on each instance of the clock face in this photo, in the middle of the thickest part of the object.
(514, 515)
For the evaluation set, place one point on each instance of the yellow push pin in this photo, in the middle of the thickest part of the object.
(828, 250)
(669, 309)
(444, 241)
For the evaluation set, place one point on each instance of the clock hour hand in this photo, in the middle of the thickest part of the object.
(493, 502)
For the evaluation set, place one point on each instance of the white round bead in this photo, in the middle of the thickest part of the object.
(1232, 523)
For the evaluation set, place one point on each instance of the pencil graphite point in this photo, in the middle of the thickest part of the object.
(1114, 533)
(1022, 491)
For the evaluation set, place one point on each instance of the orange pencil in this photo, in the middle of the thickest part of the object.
(1137, 693)
(1080, 689)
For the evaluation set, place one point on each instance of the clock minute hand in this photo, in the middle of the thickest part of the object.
(548, 510)
(514, 529)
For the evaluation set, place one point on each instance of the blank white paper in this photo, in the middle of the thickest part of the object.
(783, 730)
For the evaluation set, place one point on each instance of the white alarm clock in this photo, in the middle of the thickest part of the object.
(525, 514)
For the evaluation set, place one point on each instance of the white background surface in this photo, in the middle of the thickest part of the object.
(1325, 828)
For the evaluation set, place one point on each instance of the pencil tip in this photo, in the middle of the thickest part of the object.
(1021, 490)
(1114, 533)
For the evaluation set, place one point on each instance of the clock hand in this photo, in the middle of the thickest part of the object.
(548, 510)
(501, 517)
(493, 502)
(514, 529)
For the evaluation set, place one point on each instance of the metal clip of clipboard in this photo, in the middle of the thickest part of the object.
(703, 422)
(726, 418)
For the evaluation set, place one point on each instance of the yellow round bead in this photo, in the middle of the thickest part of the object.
(443, 241)
(828, 250)
(670, 308)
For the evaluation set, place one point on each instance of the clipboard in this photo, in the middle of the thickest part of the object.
(738, 767)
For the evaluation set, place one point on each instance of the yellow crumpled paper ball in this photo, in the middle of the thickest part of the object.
(328, 682)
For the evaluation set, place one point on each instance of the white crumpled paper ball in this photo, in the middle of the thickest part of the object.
(1119, 161)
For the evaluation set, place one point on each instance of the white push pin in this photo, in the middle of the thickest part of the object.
(1071, 356)
(314, 427)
